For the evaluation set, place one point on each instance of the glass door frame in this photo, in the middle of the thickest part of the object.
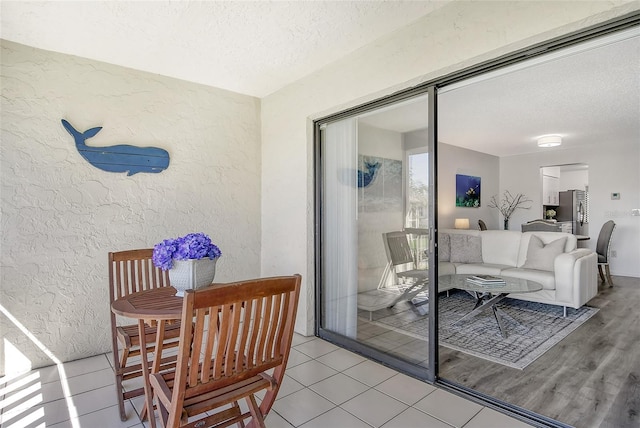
(431, 88)
(429, 373)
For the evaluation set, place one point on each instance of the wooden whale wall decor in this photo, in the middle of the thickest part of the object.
(365, 178)
(119, 158)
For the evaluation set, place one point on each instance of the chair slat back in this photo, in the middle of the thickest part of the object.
(238, 331)
(604, 239)
(132, 271)
(397, 248)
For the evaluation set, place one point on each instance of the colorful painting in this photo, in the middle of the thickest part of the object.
(467, 191)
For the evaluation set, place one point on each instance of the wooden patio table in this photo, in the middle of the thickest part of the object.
(155, 306)
(160, 306)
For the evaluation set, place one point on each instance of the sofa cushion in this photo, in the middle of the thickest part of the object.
(465, 249)
(446, 268)
(480, 268)
(541, 256)
(547, 279)
(546, 238)
(444, 247)
(500, 247)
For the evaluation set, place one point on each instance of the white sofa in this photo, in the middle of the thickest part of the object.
(567, 274)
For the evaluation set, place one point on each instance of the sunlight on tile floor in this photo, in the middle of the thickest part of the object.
(324, 386)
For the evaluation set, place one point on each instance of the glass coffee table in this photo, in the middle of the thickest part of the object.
(487, 296)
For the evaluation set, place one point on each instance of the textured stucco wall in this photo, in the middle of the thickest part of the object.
(456, 36)
(60, 215)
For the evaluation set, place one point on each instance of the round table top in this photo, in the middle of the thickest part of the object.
(511, 285)
(156, 304)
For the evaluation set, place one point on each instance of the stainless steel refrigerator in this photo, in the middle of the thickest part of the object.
(573, 208)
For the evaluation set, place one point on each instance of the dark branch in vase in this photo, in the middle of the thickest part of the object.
(509, 203)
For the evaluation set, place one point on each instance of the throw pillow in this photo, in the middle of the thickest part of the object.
(444, 248)
(541, 256)
(465, 248)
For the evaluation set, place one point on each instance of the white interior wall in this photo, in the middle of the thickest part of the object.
(61, 216)
(453, 37)
(572, 180)
(416, 139)
(454, 160)
(609, 171)
(379, 142)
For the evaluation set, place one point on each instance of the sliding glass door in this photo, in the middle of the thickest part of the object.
(584, 94)
(377, 181)
(374, 196)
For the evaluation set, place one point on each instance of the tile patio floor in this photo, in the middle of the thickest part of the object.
(325, 386)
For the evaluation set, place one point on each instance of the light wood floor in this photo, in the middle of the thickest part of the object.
(590, 379)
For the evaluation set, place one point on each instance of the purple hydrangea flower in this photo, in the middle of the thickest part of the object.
(192, 246)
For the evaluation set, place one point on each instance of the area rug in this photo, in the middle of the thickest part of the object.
(532, 328)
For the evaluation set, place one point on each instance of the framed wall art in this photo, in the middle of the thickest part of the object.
(467, 191)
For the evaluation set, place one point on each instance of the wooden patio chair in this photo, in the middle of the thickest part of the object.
(129, 272)
(240, 331)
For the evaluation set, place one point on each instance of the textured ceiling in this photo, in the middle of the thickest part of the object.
(250, 47)
(587, 96)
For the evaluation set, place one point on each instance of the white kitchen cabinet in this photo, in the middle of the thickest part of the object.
(550, 190)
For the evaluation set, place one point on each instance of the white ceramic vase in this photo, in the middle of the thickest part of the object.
(192, 274)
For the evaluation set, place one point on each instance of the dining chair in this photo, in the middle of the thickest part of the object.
(403, 265)
(603, 249)
(129, 272)
(234, 342)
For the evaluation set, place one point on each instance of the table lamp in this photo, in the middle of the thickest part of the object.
(461, 223)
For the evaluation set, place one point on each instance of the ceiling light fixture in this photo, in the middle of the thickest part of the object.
(549, 141)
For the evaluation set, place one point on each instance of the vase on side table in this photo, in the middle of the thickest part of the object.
(506, 224)
(192, 274)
